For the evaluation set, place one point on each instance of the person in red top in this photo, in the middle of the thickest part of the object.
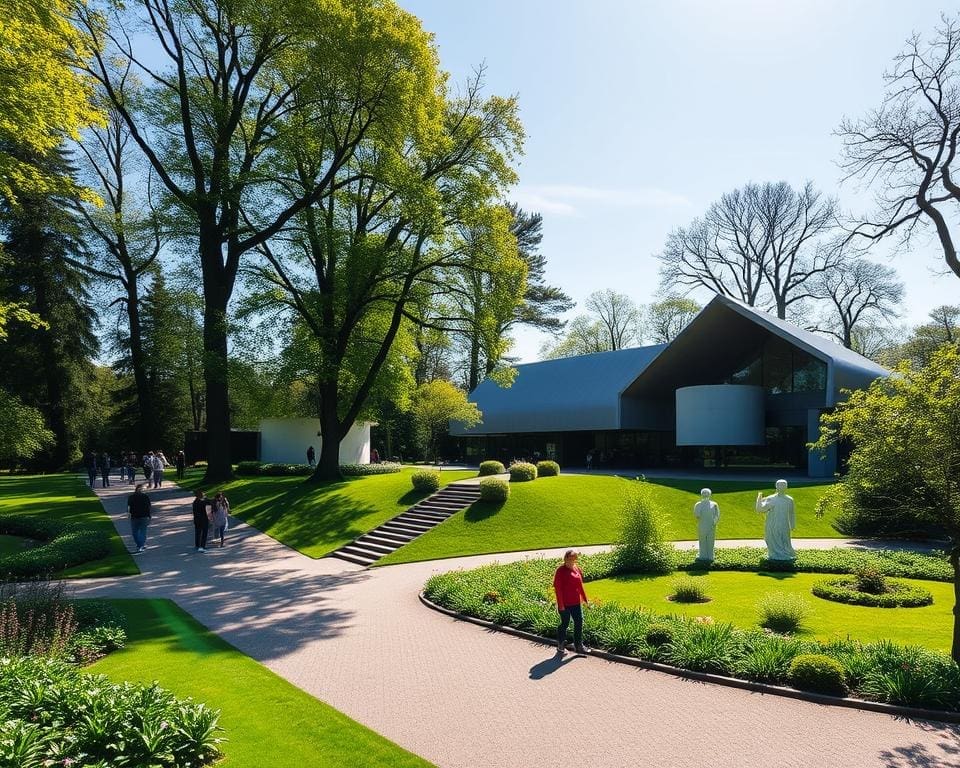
(568, 585)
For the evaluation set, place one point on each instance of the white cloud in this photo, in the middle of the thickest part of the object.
(566, 199)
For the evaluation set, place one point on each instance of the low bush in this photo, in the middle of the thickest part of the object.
(547, 469)
(360, 470)
(658, 635)
(427, 480)
(910, 675)
(782, 612)
(522, 471)
(705, 647)
(52, 709)
(643, 543)
(64, 545)
(285, 470)
(817, 673)
(846, 589)
(767, 657)
(688, 589)
(494, 489)
(247, 468)
(870, 579)
(490, 467)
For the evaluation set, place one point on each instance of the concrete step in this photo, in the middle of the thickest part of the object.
(423, 517)
(430, 506)
(362, 550)
(404, 526)
(397, 538)
(373, 544)
(351, 558)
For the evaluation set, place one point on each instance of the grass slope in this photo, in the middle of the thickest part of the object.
(317, 519)
(267, 720)
(577, 510)
(735, 595)
(67, 497)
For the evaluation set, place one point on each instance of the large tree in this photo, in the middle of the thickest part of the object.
(864, 293)
(667, 317)
(907, 147)
(922, 342)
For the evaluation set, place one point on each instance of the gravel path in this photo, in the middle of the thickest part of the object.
(460, 696)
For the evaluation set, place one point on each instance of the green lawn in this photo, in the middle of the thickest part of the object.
(67, 497)
(735, 595)
(578, 510)
(317, 519)
(267, 720)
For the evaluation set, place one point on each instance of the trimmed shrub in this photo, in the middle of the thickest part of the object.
(782, 612)
(643, 543)
(65, 545)
(871, 580)
(285, 470)
(360, 470)
(490, 467)
(547, 469)
(427, 480)
(494, 489)
(688, 589)
(247, 468)
(522, 471)
(898, 594)
(818, 673)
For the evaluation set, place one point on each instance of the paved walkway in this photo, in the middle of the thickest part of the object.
(461, 696)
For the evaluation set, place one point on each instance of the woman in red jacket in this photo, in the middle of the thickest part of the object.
(568, 585)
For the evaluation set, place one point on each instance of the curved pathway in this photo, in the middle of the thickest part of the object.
(460, 696)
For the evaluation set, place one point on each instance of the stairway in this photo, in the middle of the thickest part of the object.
(397, 531)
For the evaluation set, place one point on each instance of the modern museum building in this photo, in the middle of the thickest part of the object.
(738, 388)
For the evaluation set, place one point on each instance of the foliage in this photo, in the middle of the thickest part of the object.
(494, 489)
(255, 468)
(426, 480)
(871, 579)
(362, 470)
(547, 469)
(706, 647)
(942, 327)
(657, 635)
(896, 595)
(643, 542)
(818, 673)
(687, 589)
(669, 316)
(64, 545)
(783, 612)
(614, 321)
(910, 675)
(51, 708)
(434, 405)
(248, 468)
(767, 657)
(522, 471)
(23, 431)
(284, 470)
(491, 467)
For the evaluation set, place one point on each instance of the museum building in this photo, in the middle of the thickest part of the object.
(738, 388)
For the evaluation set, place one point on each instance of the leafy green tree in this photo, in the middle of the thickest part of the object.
(924, 340)
(434, 405)
(667, 317)
(905, 463)
(614, 321)
(23, 431)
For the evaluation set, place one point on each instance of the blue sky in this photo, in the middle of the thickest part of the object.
(640, 114)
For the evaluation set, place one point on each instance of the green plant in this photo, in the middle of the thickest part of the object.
(818, 673)
(522, 471)
(705, 647)
(782, 612)
(490, 467)
(897, 595)
(361, 470)
(64, 545)
(643, 546)
(285, 470)
(426, 480)
(658, 635)
(494, 489)
(246, 468)
(871, 580)
(910, 675)
(547, 469)
(767, 657)
(688, 589)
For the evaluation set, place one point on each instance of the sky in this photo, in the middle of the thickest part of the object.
(640, 114)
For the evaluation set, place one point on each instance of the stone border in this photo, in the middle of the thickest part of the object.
(894, 710)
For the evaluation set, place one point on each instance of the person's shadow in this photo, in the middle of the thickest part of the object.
(548, 666)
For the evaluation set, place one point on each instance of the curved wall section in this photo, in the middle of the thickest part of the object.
(720, 414)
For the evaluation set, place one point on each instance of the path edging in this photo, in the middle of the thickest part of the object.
(897, 710)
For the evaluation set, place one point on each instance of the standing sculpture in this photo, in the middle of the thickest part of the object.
(781, 519)
(707, 513)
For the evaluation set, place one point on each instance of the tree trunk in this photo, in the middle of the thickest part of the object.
(328, 468)
(955, 562)
(474, 363)
(219, 465)
(145, 427)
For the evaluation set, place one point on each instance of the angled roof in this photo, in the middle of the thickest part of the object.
(571, 393)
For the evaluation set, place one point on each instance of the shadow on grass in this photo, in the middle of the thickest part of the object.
(482, 510)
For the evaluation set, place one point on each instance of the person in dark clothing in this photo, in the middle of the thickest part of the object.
(138, 507)
(104, 465)
(92, 467)
(201, 520)
(311, 456)
(181, 462)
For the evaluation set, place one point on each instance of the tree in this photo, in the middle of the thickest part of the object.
(907, 147)
(584, 336)
(863, 293)
(764, 244)
(905, 463)
(924, 340)
(619, 316)
(667, 317)
(23, 432)
(437, 403)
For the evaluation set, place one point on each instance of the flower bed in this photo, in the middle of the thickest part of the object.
(898, 594)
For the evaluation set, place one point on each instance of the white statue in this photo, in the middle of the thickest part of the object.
(707, 513)
(781, 519)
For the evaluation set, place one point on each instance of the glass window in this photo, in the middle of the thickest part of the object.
(749, 374)
(809, 374)
(777, 366)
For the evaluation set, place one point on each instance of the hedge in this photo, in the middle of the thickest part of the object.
(65, 545)
(255, 468)
(426, 480)
(494, 489)
(547, 469)
(521, 472)
(900, 595)
(491, 468)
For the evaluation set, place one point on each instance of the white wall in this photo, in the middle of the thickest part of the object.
(285, 441)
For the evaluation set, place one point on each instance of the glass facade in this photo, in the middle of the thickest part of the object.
(781, 368)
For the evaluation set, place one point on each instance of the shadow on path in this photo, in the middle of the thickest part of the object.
(548, 666)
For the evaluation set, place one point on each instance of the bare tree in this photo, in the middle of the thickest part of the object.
(620, 317)
(764, 244)
(667, 317)
(863, 293)
(907, 148)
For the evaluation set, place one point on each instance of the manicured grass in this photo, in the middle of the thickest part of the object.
(66, 497)
(735, 596)
(317, 519)
(577, 510)
(267, 720)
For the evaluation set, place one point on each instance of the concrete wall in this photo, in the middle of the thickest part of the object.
(720, 414)
(285, 441)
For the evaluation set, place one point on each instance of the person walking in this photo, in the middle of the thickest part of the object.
(181, 462)
(156, 469)
(131, 461)
(201, 523)
(219, 516)
(138, 507)
(568, 586)
(92, 467)
(311, 456)
(104, 465)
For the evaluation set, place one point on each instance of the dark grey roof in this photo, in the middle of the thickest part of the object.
(570, 393)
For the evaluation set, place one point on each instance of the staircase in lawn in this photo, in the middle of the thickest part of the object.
(420, 518)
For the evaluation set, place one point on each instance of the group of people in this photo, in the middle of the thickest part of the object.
(207, 513)
(153, 464)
